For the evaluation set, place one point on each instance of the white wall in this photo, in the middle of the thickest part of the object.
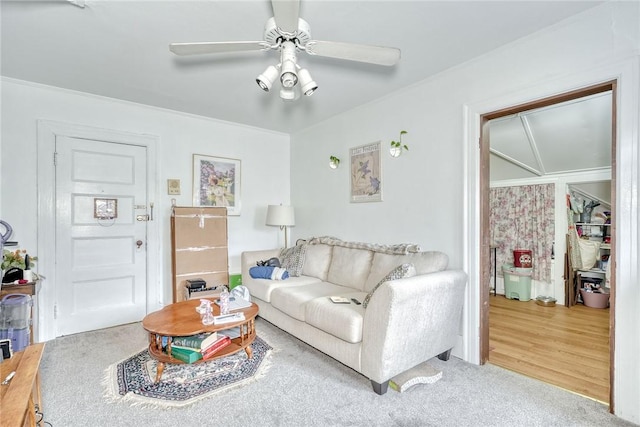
(180, 136)
(431, 193)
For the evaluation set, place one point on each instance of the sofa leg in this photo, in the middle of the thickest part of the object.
(380, 388)
(445, 355)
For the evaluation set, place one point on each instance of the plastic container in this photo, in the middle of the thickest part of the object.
(224, 301)
(15, 320)
(522, 258)
(517, 282)
(595, 299)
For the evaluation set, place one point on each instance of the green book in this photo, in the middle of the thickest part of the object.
(187, 356)
(197, 342)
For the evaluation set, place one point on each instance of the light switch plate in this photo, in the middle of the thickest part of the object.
(173, 186)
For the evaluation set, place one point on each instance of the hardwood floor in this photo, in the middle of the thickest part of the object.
(566, 347)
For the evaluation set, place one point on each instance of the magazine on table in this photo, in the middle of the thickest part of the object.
(236, 303)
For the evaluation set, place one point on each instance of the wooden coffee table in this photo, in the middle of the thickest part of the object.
(182, 319)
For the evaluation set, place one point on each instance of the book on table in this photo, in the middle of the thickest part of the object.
(197, 342)
(231, 332)
(340, 300)
(236, 303)
(185, 355)
(214, 348)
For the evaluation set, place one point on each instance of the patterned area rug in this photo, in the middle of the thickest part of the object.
(132, 379)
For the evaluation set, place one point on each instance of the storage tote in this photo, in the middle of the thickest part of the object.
(15, 320)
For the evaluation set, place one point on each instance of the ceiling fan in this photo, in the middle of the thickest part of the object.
(287, 33)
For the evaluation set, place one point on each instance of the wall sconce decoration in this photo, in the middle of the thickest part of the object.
(334, 162)
(398, 146)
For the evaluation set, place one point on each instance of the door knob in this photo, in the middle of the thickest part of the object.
(139, 243)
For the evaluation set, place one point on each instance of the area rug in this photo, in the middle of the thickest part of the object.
(132, 380)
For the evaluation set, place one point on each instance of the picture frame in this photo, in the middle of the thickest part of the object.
(105, 208)
(216, 182)
(173, 187)
(366, 173)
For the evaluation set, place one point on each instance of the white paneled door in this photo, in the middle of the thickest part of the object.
(101, 212)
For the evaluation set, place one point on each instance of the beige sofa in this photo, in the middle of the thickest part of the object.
(406, 322)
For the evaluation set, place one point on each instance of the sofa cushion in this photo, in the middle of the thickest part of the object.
(424, 262)
(293, 259)
(317, 260)
(262, 288)
(400, 272)
(350, 267)
(292, 300)
(343, 321)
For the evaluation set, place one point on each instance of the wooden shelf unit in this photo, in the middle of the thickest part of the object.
(198, 247)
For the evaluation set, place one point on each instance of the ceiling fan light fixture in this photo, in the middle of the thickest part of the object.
(288, 76)
(307, 85)
(289, 94)
(266, 79)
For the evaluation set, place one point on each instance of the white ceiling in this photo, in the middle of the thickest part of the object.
(573, 136)
(119, 49)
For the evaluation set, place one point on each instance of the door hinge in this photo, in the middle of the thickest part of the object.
(55, 159)
(55, 311)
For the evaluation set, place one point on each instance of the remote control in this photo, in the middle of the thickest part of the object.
(356, 301)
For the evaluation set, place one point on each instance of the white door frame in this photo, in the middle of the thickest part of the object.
(627, 74)
(48, 131)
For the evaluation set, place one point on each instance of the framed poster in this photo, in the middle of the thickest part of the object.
(366, 173)
(105, 208)
(216, 182)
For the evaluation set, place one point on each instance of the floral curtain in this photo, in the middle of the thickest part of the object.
(523, 218)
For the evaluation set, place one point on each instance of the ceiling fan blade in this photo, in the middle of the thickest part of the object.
(286, 14)
(355, 52)
(216, 47)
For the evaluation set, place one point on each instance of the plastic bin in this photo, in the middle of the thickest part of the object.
(15, 320)
(522, 258)
(517, 282)
(595, 299)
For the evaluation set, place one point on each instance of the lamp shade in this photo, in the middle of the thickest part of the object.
(279, 215)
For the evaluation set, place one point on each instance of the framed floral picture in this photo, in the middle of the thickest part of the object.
(366, 173)
(216, 182)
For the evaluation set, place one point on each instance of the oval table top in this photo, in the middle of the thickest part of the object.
(182, 319)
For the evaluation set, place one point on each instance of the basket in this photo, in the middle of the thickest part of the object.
(595, 299)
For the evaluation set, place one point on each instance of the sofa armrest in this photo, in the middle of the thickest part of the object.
(409, 321)
(249, 259)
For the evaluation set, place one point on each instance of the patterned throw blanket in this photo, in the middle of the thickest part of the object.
(399, 249)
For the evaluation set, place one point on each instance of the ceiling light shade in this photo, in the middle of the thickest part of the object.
(289, 94)
(266, 79)
(288, 77)
(307, 85)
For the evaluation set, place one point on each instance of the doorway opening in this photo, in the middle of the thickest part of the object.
(486, 260)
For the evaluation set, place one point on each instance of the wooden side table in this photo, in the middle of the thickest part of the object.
(20, 398)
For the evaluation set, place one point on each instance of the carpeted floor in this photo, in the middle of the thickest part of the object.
(304, 387)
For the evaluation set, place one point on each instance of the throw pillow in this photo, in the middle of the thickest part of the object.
(292, 259)
(400, 272)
